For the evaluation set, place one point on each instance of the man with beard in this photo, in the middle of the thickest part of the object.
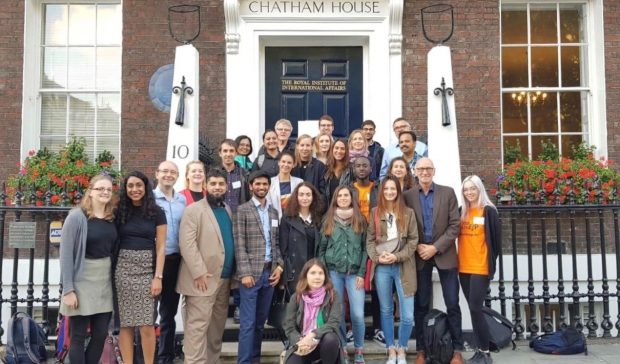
(236, 177)
(407, 141)
(207, 270)
(259, 265)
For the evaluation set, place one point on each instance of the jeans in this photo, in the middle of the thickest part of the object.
(168, 306)
(386, 276)
(253, 312)
(341, 282)
(450, 289)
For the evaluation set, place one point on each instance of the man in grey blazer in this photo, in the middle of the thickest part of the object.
(438, 220)
(259, 265)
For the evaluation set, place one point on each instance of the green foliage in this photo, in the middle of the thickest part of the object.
(550, 151)
(512, 153)
(583, 151)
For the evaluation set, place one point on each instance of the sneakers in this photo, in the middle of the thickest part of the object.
(378, 337)
(401, 359)
(391, 359)
(349, 336)
(480, 358)
(359, 356)
(236, 315)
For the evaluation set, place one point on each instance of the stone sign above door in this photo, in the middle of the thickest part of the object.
(254, 25)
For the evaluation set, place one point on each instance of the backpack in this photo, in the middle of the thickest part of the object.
(437, 338)
(25, 341)
(564, 342)
(63, 339)
(500, 329)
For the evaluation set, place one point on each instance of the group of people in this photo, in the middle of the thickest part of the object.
(322, 221)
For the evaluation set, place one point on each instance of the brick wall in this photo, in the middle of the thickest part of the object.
(612, 77)
(11, 74)
(476, 70)
(147, 45)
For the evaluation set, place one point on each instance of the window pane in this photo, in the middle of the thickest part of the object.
(544, 109)
(108, 114)
(537, 146)
(111, 144)
(544, 24)
(109, 27)
(108, 68)
(572, 117)
(571, 66)
(81, 24)
(544, 66)
(514, 25)
(53, 114)
(82, 67)
(514, 114)
(54, 143)
(54, 67)
(81, 114)
(571, 30)
(514, 67)
(510, 143)
(568, 142)
(55, 24)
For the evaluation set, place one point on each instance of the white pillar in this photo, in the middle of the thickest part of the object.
(183, 139)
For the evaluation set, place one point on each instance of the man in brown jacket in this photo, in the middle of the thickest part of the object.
(207, 269)
(438, 219)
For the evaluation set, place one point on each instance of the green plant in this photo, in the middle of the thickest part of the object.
(69, 170)
(550, 151)
(512, 153)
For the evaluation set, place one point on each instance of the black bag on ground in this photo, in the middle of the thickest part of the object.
(277, 311)
(500, 330)
(566, 341)
(25, 341)
(437, 339)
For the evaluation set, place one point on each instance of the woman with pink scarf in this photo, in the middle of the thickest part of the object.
(313, 318)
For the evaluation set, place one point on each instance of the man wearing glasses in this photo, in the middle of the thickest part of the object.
(326, 125)
(438, 220)
(173, 204)
(284, 128)
(392, 151)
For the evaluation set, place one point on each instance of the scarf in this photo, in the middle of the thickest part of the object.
(344, 216)
(313, 300)
(357, 153)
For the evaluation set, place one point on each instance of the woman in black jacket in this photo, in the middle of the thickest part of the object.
(300, 231)
(307, 167)
(313, 318)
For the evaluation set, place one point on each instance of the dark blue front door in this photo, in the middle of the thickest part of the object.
(303, 83)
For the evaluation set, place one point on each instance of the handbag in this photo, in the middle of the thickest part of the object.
(369, 263)
(277, 311)
(389, 246)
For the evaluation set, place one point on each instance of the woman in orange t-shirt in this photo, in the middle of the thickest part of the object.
(479, 245)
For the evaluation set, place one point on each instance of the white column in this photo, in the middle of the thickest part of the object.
(183, 139)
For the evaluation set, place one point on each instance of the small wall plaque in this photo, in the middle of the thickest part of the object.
(22, 235)
(55, 231)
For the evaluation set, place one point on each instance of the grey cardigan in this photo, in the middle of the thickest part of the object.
(72, 249)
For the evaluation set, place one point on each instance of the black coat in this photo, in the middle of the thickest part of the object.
(313, 173)
(294, 248)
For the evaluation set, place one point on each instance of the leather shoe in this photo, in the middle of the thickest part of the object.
(420, 358)
(457, 358)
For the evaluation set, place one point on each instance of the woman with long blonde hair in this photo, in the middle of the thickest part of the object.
(195, 182)
(87, 246)
(321, 146)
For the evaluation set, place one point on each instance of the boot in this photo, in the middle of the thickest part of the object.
(420, 358)
(457, 358)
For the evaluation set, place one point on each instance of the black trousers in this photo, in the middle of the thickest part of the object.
(168, 306)
(78, 326)
(475, 287)
(328, 352)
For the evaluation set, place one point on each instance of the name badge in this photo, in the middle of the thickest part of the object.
(479, 220)
(236, 184)
(274, 223)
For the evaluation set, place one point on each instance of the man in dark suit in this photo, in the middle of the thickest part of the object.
(438, 220)
(259, 265)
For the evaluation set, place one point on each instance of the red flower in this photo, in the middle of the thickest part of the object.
(79, 163)
(55, 199)
(549, 173)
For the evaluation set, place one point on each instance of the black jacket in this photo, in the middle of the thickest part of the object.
(493, 237)
(294, 248)
(313, 173)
